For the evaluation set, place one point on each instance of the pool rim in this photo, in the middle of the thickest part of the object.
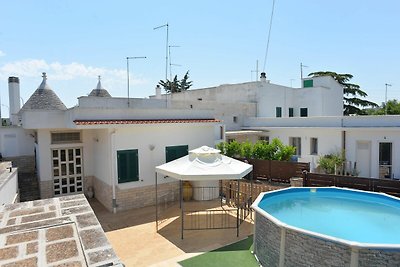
(353, 244)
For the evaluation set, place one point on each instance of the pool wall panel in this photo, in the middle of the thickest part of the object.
(375, 257)
(267, 243)
(304, 250)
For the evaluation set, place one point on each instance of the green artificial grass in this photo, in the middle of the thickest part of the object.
(236, 254)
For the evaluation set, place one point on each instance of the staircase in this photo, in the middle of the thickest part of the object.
(28, 187)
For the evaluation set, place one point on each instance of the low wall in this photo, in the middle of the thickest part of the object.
(25, 164)
(8, 187)
(132, 198)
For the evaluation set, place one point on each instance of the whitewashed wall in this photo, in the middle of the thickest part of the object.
(374, 136)
(16, 141)
(102, 155)
(161, 135)
(329, 141)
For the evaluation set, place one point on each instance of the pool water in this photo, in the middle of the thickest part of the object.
(351, 215)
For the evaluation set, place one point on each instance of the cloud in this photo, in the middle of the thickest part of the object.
(2, 54)
(61, 72)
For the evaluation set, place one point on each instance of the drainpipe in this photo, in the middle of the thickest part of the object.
(112, 160)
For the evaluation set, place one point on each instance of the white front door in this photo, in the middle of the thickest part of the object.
(67, 171)
(363, 158)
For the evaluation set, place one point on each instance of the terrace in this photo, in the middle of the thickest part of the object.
(133, 235)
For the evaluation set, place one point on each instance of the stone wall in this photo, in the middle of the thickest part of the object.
(46, 189)
(25, 164)
(306, 250)
(136, 197)
(103, 193)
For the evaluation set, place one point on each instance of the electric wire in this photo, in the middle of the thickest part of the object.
(269, 34)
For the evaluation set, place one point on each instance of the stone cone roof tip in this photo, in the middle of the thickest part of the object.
(99, 90)
(44, 98)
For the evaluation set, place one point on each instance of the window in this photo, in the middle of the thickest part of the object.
(313, 146)
(128, 165)
(221, 132)
(303, 112)
(234, 119)
(65, 137)
(296, 142)
(264, 138)
(291, 112)
(175, 152)
(308, 83)
(278, 112)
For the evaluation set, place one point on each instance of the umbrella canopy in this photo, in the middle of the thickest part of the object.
(205, 163)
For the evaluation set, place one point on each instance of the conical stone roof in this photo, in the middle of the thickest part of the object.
(44, 98)
(99, 90)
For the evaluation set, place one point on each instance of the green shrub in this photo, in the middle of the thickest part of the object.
(246, 150)
(332, 162)
(275, 150)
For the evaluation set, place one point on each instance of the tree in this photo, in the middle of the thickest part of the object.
(185, 84)
(176, 86)
(352, 93)
(391, 108)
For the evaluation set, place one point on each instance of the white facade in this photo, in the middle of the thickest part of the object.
(77, 148)
(263, 111)
(359, 136)
(236, 103)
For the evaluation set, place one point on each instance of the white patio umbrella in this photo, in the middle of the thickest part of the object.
(203, 165)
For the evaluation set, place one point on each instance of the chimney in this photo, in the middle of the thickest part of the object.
(263, 77)
(14, 98)
(158, 92)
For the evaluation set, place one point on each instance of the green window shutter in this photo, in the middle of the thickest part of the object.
(278, 112)
(291, 112)
(308, 83)
(128, 165)
(175, 152)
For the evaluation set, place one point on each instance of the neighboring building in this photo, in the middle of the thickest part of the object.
(111, 145)
(235, 103)
(309, 118)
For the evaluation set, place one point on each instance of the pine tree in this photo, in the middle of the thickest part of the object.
(352, 103)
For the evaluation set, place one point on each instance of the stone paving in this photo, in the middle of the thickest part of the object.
(53, 232)
(132, 233)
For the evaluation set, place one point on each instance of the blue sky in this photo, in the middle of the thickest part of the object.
(220, 41)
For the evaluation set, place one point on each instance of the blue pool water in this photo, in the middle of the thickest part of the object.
(350, 215)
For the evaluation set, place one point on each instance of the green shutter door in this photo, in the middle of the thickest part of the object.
(128, 165)
(175, 152)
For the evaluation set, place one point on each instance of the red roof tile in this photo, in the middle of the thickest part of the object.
(105, 122)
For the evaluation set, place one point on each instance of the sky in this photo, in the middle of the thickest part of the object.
(219, 43)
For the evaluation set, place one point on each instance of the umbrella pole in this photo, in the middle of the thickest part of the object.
(156, 205)
(181, 206)
(237, 205)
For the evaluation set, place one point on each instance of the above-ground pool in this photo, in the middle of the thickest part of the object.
(327, 227)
